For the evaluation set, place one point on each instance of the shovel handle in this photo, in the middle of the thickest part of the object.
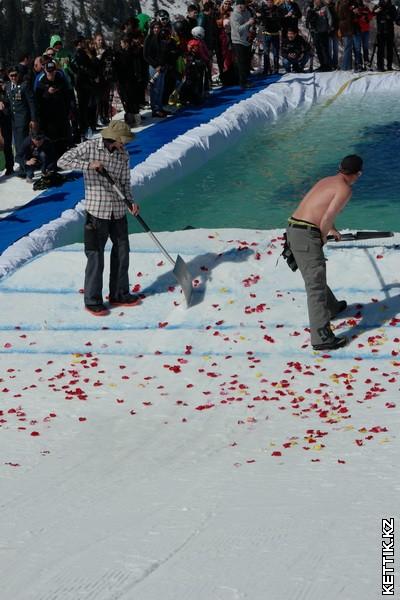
(143, 223)
(107, 176)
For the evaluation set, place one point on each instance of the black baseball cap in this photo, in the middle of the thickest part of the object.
(351, 164)
(50, 66)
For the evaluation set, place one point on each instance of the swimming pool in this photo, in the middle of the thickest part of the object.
(259, 182)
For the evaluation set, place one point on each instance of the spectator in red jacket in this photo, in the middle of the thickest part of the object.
(364, 16)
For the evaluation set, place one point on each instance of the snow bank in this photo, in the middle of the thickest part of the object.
(192, 149)
(202, 454)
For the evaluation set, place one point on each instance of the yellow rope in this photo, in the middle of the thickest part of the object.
(346, 85)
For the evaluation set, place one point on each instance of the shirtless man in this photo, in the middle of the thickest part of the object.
(307, 231)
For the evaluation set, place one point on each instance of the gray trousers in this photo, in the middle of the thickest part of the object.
(306, 246)
(97, 232)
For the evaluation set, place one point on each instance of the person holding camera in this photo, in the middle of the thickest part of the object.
(386, 16)
(295, 52)
(241, 22)
(363, 17)
(291, 14)
(54, 105)
(306, 234)
(39, 153)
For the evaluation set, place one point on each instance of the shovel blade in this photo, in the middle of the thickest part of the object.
(184, 278)
(362, 235)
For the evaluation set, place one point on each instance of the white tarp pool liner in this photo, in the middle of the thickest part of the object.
(191, 150)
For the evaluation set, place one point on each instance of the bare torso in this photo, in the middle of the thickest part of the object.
(324, 201)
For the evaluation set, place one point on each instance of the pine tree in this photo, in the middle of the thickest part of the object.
(12, 20)
(21, 30)
(71, 31)
(40, 27)
(59, 19)
(26, 43)
(83, 18)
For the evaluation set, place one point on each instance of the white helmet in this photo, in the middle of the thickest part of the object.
(198, 33)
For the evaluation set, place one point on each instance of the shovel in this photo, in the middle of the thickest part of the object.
(180, 270)
(362, 235)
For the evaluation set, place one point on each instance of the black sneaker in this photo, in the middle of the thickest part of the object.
(332, 344)
(129, 300)
(97, 310)
(340, 307)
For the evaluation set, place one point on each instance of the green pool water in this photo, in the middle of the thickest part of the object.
(259, 182)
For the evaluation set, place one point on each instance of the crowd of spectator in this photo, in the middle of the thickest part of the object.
(58, 99)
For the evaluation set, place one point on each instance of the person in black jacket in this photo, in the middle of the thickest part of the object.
(23, 112)
(319, 22)
(192, 16)
(270, 17)
(128, 65)
(386, 16)
(207, 19)
(172, 53)
(54, 105)
(106, 61)
(6, 128)
(291, 14)
(155, 55)
(39, 153)
(333, 35)
(86, 72)
(295, 52)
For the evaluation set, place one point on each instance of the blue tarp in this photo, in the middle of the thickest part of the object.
(51, 203)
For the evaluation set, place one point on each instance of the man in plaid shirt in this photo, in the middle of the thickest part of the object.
(105, 214)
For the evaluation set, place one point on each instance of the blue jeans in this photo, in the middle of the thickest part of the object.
(357, 49)
(295, 64)
(365, 46)
(271, 43)
(43, 162)
(347, 53)
(156, 89)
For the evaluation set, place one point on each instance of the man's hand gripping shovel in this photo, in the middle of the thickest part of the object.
(180, 270)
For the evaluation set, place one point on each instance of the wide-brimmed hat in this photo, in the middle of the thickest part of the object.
(118, 131)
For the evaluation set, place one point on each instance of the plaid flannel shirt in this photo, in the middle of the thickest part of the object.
(100, 199)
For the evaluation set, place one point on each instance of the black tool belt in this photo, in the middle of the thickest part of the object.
(304, 226)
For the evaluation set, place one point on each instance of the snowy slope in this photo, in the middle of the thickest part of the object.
(204, 453)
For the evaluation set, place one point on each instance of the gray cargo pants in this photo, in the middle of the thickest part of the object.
(97, 232)
(306, 245)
